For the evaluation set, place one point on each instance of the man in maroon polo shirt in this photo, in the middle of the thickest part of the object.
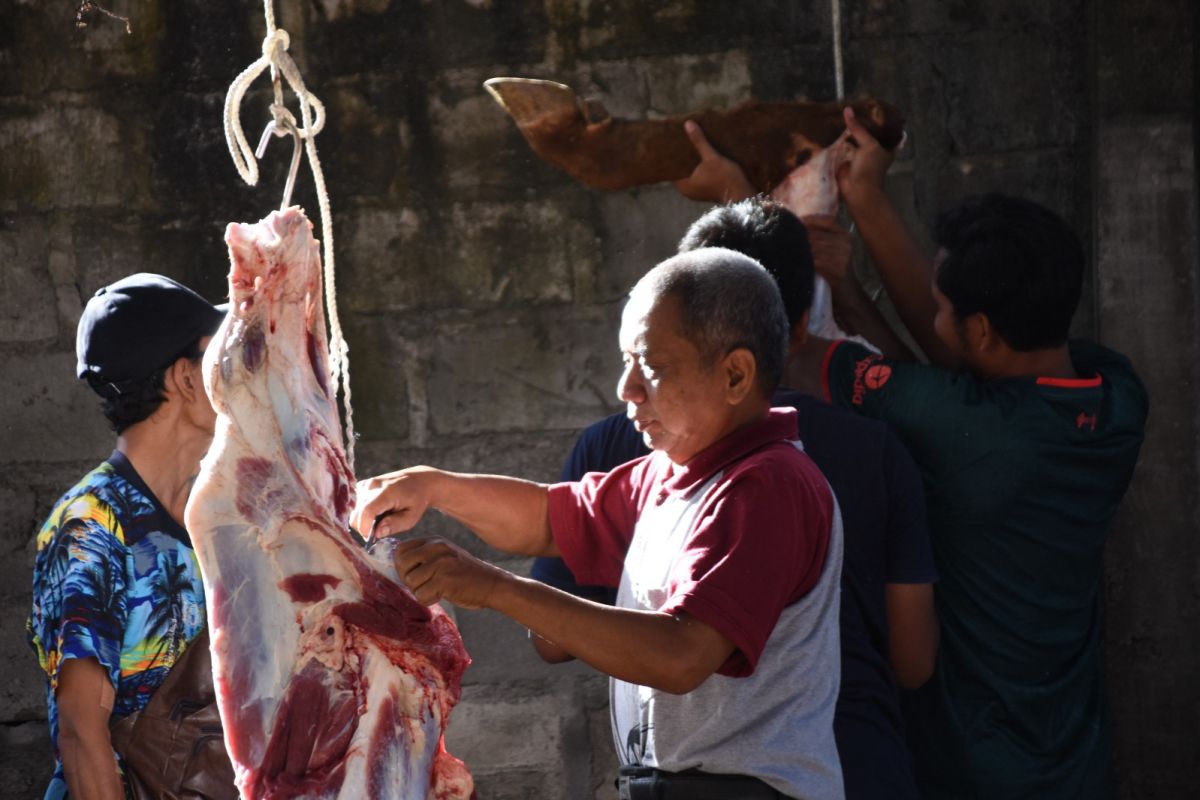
(725, 544)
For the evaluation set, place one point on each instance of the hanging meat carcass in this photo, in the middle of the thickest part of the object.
(332, 680)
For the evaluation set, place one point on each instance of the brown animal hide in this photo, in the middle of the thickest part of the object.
(768, 140)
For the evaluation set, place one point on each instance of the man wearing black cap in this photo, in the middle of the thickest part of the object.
(117, 594)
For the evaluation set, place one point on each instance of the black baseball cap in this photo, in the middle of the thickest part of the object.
(136, 326)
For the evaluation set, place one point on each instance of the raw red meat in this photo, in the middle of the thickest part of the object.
(332, 680)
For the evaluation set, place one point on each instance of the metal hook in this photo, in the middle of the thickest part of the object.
(283, 125)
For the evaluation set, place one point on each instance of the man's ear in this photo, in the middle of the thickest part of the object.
(183, 378)
(741, 372)
(979, 333)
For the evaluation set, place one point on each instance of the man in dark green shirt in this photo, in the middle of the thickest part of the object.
(1026, 443)
(1022, 478)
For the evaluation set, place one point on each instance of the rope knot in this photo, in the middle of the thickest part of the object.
(278, 37)
(283, 119)
(283, 122)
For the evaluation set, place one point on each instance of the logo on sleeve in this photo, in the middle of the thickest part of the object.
(877, 376)
(868, 375)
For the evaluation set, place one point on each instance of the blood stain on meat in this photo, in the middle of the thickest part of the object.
(332, 680)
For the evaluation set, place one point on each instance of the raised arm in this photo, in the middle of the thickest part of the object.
(906, 271)
(854, 310)
(507, 513)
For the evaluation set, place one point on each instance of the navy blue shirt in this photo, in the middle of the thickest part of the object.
(882, 502)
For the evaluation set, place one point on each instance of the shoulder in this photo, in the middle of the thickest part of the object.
(836, 438)
(94, 505)
(1117, 370)
(866, 382)
(616, 439)
(776, 477)
(602, 446)
(816, 417)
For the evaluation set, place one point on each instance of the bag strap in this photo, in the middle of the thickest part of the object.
(193, 670)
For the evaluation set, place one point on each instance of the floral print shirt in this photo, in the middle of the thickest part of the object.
(115, 579)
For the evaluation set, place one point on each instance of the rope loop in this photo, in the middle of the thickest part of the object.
(283, 123)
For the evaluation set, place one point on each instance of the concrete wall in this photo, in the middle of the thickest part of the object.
(1148, 305)
(480, 288)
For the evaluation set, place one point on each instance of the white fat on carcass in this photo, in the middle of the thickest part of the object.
(332, 681)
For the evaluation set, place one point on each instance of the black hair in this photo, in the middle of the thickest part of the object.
(770, 234)
(137, 400)
(726, 300)
(1016, 262)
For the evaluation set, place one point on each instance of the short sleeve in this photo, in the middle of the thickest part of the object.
(897, 392)
(908, 556)
(854, 377)
(757, 547)
(80, 608)
(592, 521)
(601, 447)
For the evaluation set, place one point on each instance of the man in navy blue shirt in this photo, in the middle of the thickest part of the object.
(888, 626)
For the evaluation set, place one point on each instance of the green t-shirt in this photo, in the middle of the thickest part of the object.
(1022, 478)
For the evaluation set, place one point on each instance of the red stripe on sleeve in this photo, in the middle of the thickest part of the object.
(1071, 383)
(825, 369)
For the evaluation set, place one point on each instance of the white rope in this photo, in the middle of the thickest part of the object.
(839, 71)
(312, 117)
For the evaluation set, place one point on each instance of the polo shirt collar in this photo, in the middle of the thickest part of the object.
(778, 425)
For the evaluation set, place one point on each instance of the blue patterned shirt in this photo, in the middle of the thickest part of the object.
(115, 579)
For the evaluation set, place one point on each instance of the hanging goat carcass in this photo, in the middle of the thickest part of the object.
(332, 680)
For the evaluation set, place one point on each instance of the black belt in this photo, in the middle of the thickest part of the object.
(647, 783)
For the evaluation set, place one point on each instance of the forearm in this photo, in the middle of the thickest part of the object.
(912, 632)
(670, 653)
(548, 651)
(858, 314)
(509, 514)
(89, 761)
(906, 271)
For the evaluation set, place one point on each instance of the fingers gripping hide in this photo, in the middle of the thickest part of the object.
(389, 504)
(434, 569)
(715, 179)
(699, 141)
(858, 133)
(419, 563)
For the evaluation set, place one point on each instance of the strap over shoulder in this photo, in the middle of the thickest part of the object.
(175, 746)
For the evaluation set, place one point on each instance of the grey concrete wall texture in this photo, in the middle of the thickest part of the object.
(481, 288)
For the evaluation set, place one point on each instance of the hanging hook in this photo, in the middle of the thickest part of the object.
(283, 125)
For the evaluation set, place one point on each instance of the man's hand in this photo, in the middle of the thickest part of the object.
(507, 513)
(716, 179)
(861, 175)
(435, 569)
(905, 270)
(392, 503)
(831, 248)
(855, 312)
